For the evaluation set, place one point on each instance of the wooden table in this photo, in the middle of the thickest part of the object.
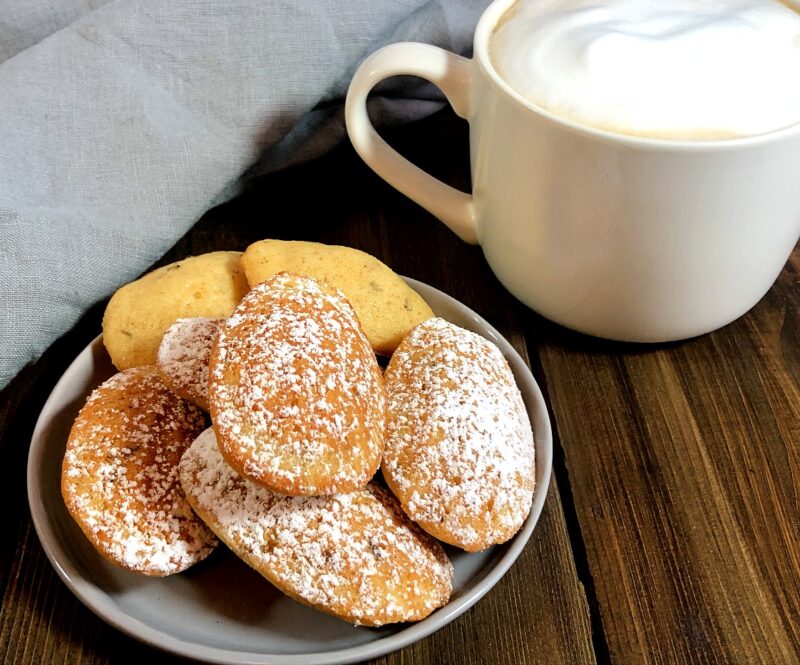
(670, 534)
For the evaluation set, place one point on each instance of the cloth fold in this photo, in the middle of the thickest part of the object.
(129, 118)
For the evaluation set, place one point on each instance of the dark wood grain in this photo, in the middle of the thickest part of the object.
(684, 467)
(537, 614)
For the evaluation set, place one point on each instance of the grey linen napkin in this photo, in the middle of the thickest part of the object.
(121, 122)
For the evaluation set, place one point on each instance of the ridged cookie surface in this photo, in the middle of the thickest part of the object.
(183, 358)
(296, 393)
(139, 313)
(120, 475)
(386, 306)
(459, 448)
(356, 556)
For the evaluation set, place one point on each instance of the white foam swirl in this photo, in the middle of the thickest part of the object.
(690, 69)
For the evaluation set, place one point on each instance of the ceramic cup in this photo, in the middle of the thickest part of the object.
(618, 236)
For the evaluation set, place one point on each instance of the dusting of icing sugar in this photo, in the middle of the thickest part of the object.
(120, 474)
(183, 357)
(354, 555)
(459, 451)
(296, 394)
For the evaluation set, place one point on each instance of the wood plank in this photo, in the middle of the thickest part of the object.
(537, 614)
(683, 463)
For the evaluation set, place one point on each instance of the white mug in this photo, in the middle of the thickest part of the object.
(622, 237)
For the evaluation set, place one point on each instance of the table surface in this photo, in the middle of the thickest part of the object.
(671, 530)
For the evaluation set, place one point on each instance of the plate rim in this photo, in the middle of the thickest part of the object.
(105, 608)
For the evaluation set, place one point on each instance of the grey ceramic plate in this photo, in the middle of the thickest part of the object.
(221, 611)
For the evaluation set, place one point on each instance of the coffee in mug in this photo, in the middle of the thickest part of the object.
(635, 163)
(674, 69)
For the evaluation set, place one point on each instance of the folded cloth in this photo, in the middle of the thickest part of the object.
(23, 23)
(120, 128)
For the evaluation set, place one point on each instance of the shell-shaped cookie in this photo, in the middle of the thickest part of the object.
(183, 358)
(139, 313)
(120, 480)
(296, 394)
(355, 556)
(386, 306)
(459, 448)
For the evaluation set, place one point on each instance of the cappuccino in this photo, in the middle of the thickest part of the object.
(672, 69)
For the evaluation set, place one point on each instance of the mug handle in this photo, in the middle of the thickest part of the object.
(449, 72)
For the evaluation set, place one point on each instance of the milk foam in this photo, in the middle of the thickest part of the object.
(684, 69)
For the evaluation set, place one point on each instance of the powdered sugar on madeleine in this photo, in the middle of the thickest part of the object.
(459, 452)
(183, 358)
(355, 555)
(296, 393)
(120, 474)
